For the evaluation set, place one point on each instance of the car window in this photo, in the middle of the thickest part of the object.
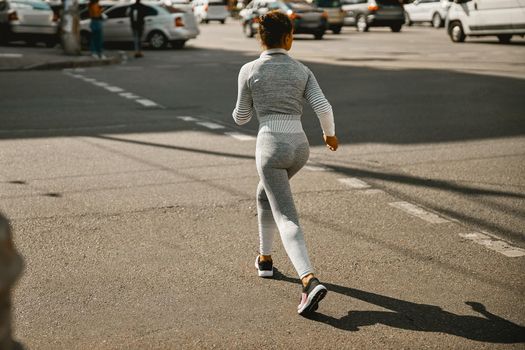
(35, 5)
(118, 12)
(151, 11)
(328, 3)
(277, 5)
(388, 2)
(354, 2)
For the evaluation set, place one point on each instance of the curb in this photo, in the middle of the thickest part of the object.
(67, 64)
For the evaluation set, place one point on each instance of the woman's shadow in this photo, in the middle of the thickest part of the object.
(419, 317)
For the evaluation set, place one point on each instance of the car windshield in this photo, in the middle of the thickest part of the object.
(388, 2)
(35, 5)
(328, 3)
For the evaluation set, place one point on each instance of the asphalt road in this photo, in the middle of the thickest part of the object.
(132, 197)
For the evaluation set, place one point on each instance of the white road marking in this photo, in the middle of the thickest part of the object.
(187, 119)
(421, 213)
(211, 125)
(313, 167)
(147, 103)
(100, 83)
(354, 183)
(113, 88)
(78, 76)
(89, 80)
(373, 191)
(129, 95)
(494, 244)
(11, 55)
(239, 136)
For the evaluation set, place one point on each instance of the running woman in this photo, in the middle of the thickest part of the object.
(273, 87)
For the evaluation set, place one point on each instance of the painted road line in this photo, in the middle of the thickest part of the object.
(11, 55)
(373, 191)
(129, 95)
(494, 244)
(100, 83)
(316, 167)
(113, 89)
(187, 119)
(354, 183)
(211, 125)
(89, 80)
(239, 136)
(147, 103)
(421, 213)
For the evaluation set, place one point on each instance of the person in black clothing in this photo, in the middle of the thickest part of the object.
(136, 13)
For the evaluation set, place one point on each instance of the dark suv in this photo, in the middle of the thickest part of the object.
(374, 13)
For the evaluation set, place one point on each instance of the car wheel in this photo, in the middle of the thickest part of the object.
(178, 44)
(223, 21)
(504, 38)
(336, 30)
(157, 40)
(362, 25)
(206, 21)
(396, 28)
(437, 22)
(319, 35)
(456, 32)
(408, 22)
(248, 30)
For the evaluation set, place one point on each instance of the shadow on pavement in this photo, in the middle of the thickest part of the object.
(419, 317)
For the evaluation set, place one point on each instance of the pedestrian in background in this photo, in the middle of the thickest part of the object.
(136, 13)
(274, 86)
(96, 43)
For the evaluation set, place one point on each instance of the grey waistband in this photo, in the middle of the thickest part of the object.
(281, 123)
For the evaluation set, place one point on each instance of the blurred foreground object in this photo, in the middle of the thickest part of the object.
(11, 266)
(70, 28)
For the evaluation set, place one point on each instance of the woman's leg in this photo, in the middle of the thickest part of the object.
(266, 222)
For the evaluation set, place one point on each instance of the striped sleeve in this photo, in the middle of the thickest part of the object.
(244, 107)
(314, 95)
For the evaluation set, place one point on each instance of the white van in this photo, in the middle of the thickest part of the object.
(502, 18)
(210, 10)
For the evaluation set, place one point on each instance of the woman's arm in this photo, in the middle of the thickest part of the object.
(244, 106)
(314, 95)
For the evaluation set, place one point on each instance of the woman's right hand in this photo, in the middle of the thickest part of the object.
(331, 142)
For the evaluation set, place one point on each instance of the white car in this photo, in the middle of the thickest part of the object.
(433, 11)
(502, 18)
(163, 25)
(210, 10)
(28, 20)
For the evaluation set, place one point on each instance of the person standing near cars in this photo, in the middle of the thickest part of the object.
(96, 43)
(136, 13)
(273, 87)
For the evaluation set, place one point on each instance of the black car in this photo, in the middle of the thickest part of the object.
(374, 13)
(306, 18)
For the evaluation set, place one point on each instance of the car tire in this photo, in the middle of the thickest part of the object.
(157, 40)
(206, 21)
(456, 33)
(178, 44)
(437, 21)
(396, 28)
(408, 22)
(337, 30)
(361, 24)
(319, 35)
(223, 21)
(248, 30)
(85, 39)
(504, 38)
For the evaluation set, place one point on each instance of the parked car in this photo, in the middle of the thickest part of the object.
(334, 10)
(306, 18)
(432, 11)
(163, 25)
(31, 21)
(502, 18)
(374, 13)
(210, 10)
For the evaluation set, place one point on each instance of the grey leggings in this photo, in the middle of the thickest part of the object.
(279, 156)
